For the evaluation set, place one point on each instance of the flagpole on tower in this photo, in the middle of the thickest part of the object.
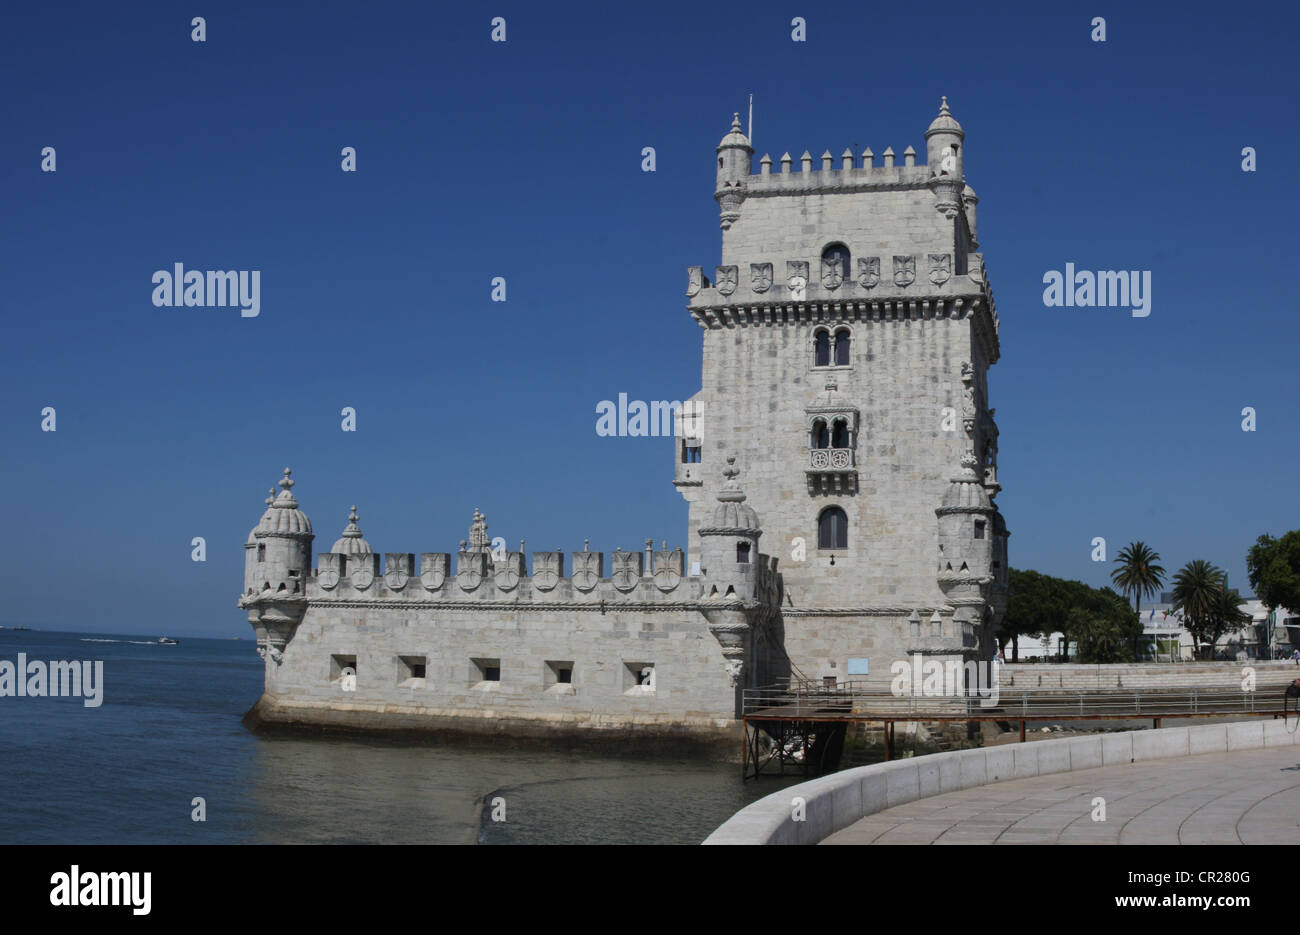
(750, 134)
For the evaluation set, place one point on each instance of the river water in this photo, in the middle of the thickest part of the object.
(168, 732)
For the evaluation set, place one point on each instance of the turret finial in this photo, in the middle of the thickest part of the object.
(731, 492)
(735, 122)
(286, 482)
(943, 105)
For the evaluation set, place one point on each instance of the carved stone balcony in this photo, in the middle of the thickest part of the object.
(831, 471)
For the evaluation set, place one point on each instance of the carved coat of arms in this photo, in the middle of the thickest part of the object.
(868, 271)
(469, 570)
(546, 569)
(832, 272)
(397, 570)
(627, 570)
(586, 570)
(796, 277)
(328, 576)
(507, 571)
(940, 268)
(728, 276)
(362, 571)
(668, 569)
(694, 280)
(760, 276)
(904, 270)
(433, 570)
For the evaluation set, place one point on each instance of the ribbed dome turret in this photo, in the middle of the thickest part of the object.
(945, 122)
(966, 492)
(732, 516)
(351, 542)
(284, 518)
(266, 517)
(734, 137)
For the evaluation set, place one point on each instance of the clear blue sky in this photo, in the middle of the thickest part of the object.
(523, 160)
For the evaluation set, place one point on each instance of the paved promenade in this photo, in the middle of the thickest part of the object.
(1242, 797)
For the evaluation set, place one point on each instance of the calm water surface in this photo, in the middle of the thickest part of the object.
(169, 730)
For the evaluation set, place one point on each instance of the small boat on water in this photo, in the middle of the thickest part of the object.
(163, 641)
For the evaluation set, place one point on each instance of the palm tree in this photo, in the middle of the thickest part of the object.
(1138, 574)
(1198, 594)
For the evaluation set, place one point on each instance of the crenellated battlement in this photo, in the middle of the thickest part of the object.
(482, 575)
(485, 576)
(883, 288)
(824, 176)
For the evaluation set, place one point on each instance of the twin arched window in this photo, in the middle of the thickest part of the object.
(828, 348)
(836, 435)
(833, 529)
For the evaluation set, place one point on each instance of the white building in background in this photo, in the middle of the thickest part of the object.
(1165, 639)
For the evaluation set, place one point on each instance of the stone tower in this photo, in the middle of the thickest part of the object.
(847, 335)
(277, 564)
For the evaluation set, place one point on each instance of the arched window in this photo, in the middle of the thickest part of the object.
(833, 253)
(842, 347)
(261, 551)
(822, 357)
(840, 434)
(821, 436)
(833, 529)
(742, 553)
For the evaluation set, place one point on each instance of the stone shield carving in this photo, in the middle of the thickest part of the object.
(940, 268)
(868, 271)
(627, 570)
(832, 272)
(328, 576)
(760, 276)
(362, 571)
(694, 280)
(976, 272)
(507, 572)
(904, 270)
(546, 570)
(668, 570)
(586, 570)
(728, 276)
(796, 273)
(433, 570)
(397, 570)
(469, 570)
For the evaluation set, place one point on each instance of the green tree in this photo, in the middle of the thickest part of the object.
(1226, 615)
(1099, 620)
(1104, 626)
(1274, 569)
(1138, 574)
(1198, 595)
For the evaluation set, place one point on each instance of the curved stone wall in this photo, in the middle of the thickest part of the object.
(834, 802)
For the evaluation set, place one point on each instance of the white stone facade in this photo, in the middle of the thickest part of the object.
(857, 385)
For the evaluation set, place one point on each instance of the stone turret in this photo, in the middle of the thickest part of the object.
(278, 563)
(966, 548)
(281, 543)
(351, 542)
(735, 156)
(729, 543)
(944, 144)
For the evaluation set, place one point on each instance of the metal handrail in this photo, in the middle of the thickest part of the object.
(857, 698)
